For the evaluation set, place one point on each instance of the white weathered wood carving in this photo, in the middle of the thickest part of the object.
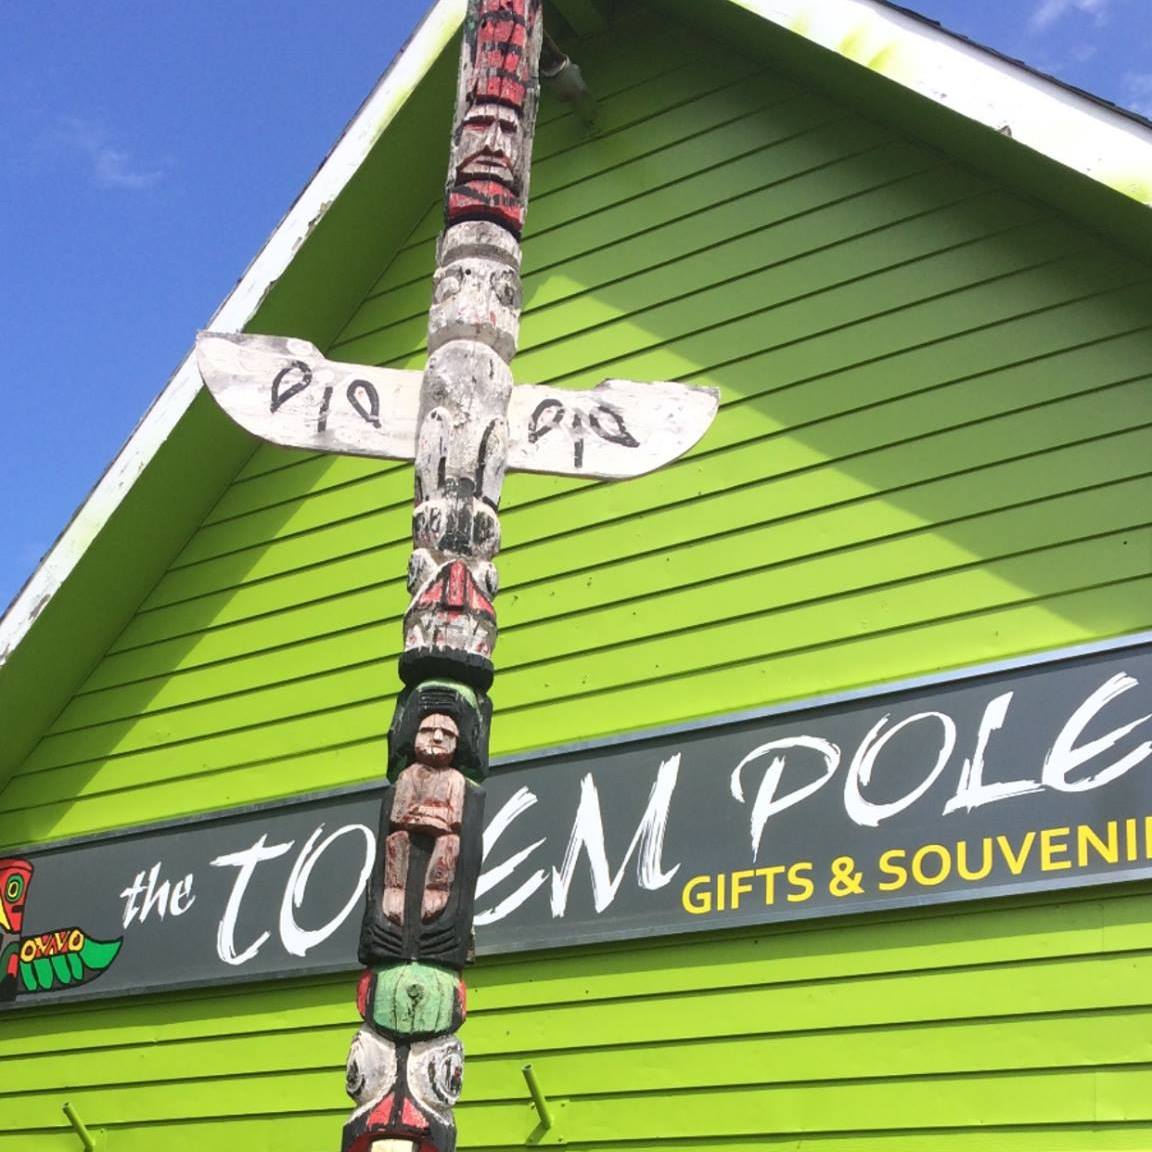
(284, 391)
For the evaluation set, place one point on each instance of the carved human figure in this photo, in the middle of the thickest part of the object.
(405, 1066)
(420, 894)
(429, 800)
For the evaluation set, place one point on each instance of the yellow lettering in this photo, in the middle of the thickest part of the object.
(770, 875)
(962, 869)
(1108, 852)
(695, 901)
(798, 877)
(720, 882)
(75, 940)
(918, 873)
(1130, 839)
(28, 951)
(1016, 862)
(889, 867)
(1050, 847)
(740, 886)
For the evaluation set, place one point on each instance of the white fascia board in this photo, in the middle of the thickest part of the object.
(389, 96)
(1073, 129)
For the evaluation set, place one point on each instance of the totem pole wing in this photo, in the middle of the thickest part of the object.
(283, 390)
(620, 428)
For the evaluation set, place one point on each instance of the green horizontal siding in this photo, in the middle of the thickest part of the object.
(933, 450)
(1025, 1027)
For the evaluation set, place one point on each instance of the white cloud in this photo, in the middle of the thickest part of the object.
(111, 167)
(1138, 86)
(1047, 12)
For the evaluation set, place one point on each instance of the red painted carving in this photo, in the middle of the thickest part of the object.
(429, 800)
(495, 115)
(441, 874)
(395, 875)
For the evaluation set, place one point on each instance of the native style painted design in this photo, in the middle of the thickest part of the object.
(463, 423)
(406, 1066)
(497, 93)
(46, 961)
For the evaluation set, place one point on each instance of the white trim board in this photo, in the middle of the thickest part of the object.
(1087, 135)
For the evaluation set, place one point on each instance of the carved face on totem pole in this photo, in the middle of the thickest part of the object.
(476, 293)
(405, 1069)
(436, 741)
(404, 1092)
(468, 712)
(496, 111)
(490, 147)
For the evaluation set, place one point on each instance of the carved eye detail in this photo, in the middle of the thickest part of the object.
(485, 528)
(505, 285)
(421, 569)
(436, 1074)
(447, 1076)
(371, 1070)
(354, 1078)
(447, 286)
(489, 580)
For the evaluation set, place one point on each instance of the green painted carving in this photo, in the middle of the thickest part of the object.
(416, 999)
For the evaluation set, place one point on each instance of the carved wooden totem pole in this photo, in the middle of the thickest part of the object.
(464, 423)
(406, 1065)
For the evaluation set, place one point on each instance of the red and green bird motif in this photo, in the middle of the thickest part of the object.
(47, 961)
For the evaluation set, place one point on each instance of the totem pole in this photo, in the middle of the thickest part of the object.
(464, 423)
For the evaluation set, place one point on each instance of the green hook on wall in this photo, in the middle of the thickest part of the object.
(91, 1143)
(538, 1098)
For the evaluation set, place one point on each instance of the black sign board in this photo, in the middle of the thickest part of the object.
(1011, 779)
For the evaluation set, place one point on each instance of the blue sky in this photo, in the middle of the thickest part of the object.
(148, 150)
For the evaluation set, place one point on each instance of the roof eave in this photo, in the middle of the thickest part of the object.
(1061, 122)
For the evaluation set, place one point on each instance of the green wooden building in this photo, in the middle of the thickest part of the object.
(921, 277)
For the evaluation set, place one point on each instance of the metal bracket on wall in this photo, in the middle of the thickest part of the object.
(97, 1142)
(566, 81)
